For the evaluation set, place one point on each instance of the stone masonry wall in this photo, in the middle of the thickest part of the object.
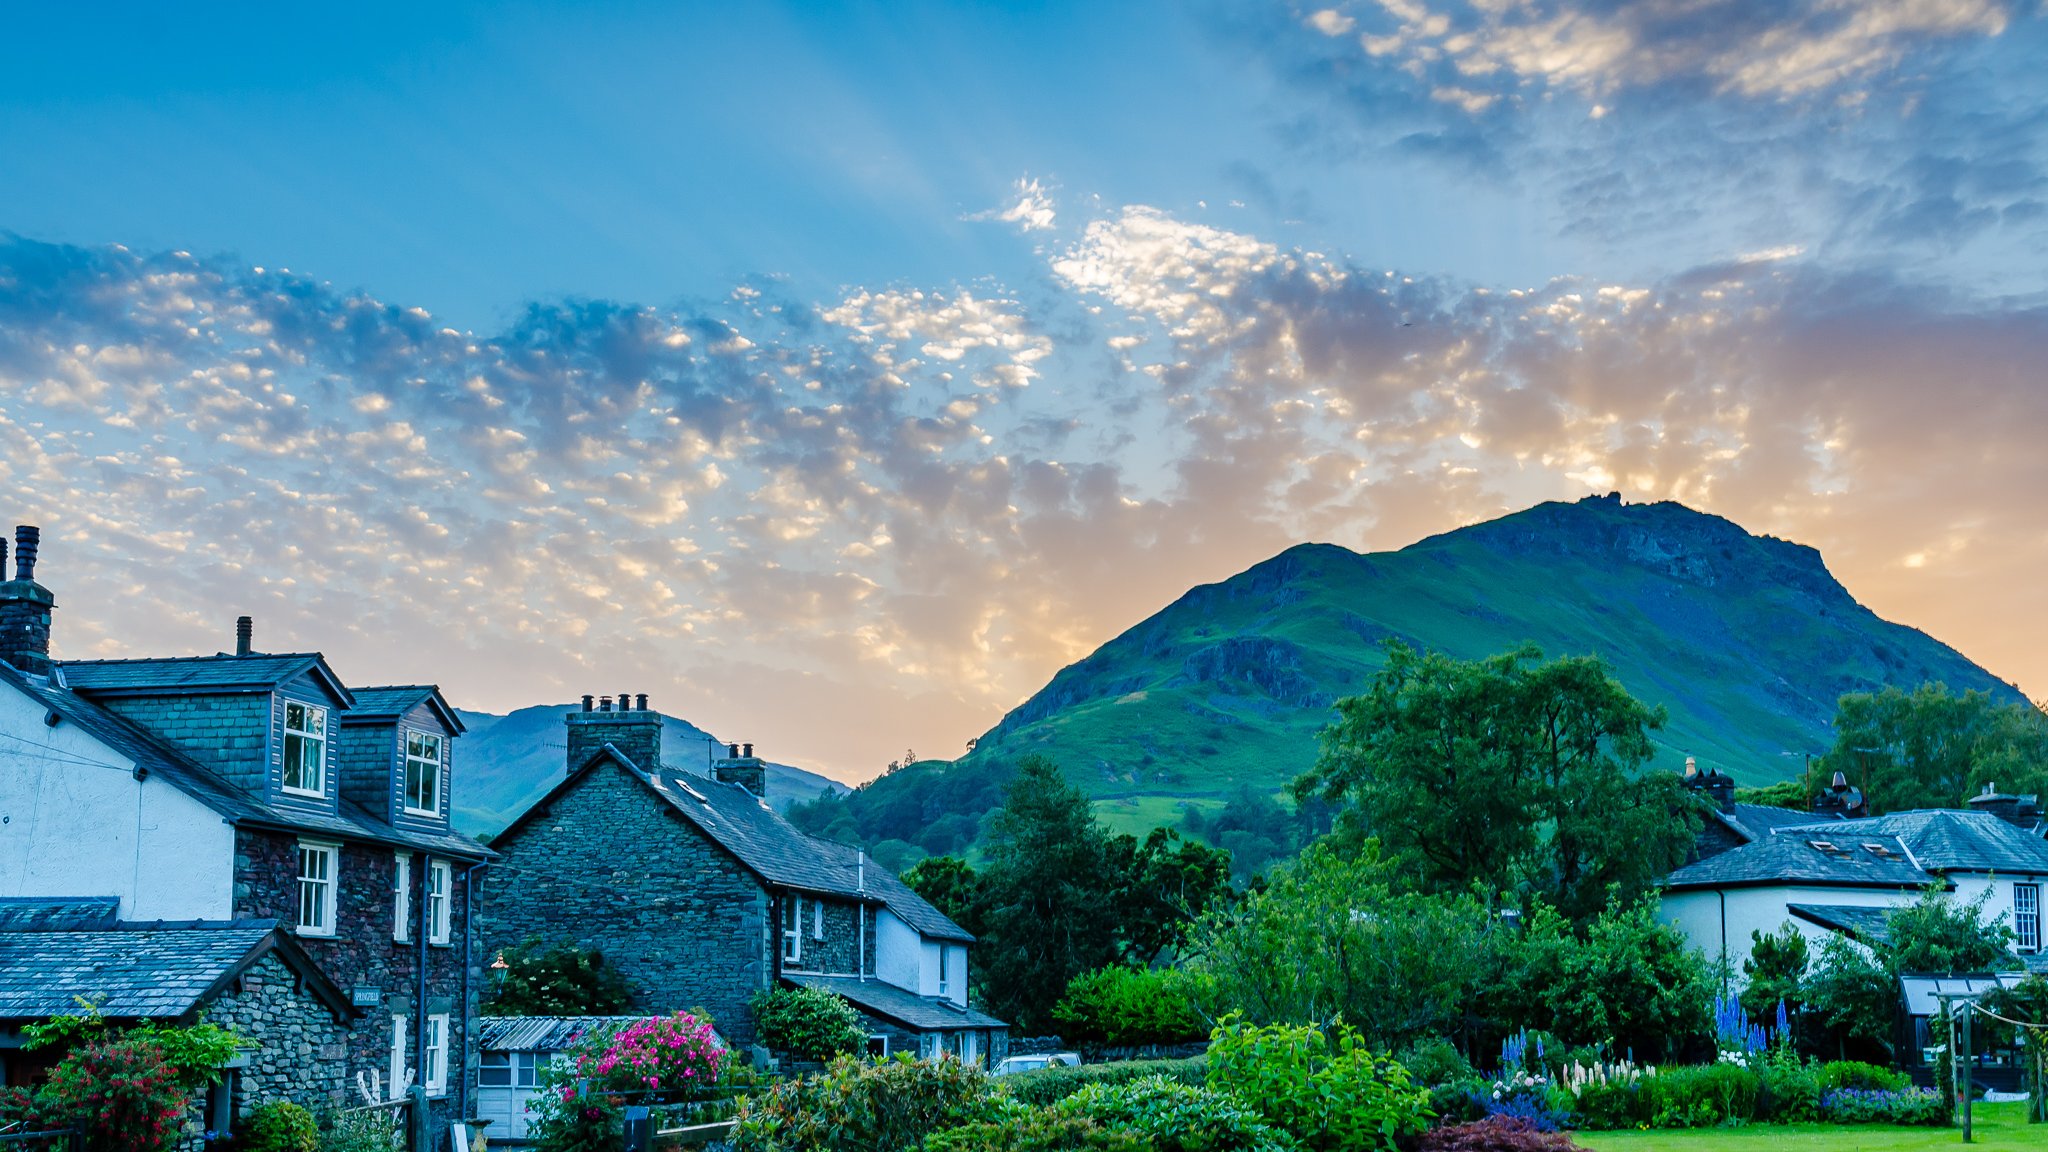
(302, 1055)
(611, 867)
(837, 953)
(363, 954)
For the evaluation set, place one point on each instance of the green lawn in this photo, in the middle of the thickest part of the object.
(1997, 1126)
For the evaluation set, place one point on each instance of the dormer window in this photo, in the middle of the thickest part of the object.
(305, 749)
(422, 773)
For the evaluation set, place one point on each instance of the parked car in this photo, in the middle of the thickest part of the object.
(1034, 1063)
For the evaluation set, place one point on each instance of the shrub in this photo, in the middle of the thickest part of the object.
(122, 1094)
(1701, 1096)
(558, 980)
(279, 1126)
(1175, 1117)
(1036, 1130)
(1922, 1106)
(1327, 1088)
(1459, 1103)
(660, 1060)
(1048, 1085)
(1495, 1134)
(1790, 1088)
(1436, 1061)
(1857, 1074)
(858, 1107)
(1132, 1006)
(809, 1023)
(1604, 1107)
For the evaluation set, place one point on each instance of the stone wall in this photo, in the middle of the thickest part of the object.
(362, 954)
(610, 866)
(302, 1049)
(837, 954)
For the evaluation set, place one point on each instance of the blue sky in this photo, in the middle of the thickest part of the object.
(849, 368)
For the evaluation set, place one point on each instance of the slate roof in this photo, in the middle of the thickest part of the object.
(142, 971)
(1763, 819)
(59, 914)
(1791, 858)
(390, 701)
(1870, 926)
(768, 845)
(1951, 840)
(201, 783)
(255, 672)
(919, 1013)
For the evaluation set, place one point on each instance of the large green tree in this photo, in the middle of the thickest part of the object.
(1047, 896)
(1935, 748)
(1507, 772)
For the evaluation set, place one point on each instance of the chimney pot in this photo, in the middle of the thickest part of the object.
(749, 750)
(640, 702)
(625, 701)
(589, 701)
(732, 751)
(245, 634)
(1841, 780)
(604, 703)
(26, 539)
(1692, 768)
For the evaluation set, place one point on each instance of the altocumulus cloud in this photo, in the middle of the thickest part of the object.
(850, 524)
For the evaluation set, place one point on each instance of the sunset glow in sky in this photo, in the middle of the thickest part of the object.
(836, 373)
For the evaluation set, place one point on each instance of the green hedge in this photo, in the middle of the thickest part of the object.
(1048, 1085)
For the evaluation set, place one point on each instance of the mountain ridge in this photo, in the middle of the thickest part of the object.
(1747, 640)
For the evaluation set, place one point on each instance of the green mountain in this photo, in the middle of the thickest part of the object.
(507, 762)
(1747, 640)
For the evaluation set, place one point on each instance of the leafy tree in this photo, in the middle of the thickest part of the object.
(949, 884)
(1776, 967)
(2027, 1002)
(1166, 883)
(555, 980)
(1935, 748)
(1128, 1006)
(1334, 935)
(1257, 829)
(1794, 794)
(1506, 771)
(1936, 933)
(1625, 981)
(1853, 996)
(1049, 915)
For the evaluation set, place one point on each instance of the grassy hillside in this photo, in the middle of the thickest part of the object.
(1747, 640)
(504, 763)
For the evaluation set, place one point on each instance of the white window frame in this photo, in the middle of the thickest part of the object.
(401, 896)
(440, 902)
(435, 1076)
(793, 929)
(436, 776)
(313, 728)
(945, 985)
(2026, 921)
(818, 921)
(328, 886)
(397, 1062)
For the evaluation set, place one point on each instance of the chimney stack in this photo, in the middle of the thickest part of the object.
(2021, 811)
(1719, 787)
(1841, 798)
(25, 607)
(635, 732)
(744, 769)
(245, 633)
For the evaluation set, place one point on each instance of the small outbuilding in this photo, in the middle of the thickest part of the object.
(512, 1050)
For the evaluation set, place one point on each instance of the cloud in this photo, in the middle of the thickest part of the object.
(1030, 211)
(926, 500)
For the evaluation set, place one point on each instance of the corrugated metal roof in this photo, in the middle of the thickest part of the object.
(920, 1013)
(544, 1033)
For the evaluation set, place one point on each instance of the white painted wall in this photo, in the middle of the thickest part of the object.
(1699, 914)
(899, 956)
(75, 822)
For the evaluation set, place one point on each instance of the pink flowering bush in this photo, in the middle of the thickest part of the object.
(661, 1060)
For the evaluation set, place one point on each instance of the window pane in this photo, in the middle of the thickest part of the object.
(292, 756)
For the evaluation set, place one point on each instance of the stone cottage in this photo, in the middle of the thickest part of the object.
(247, 786)
(701, 895)
(248, 975)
